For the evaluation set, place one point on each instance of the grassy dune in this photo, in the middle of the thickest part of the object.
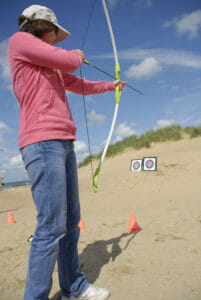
(171, 133)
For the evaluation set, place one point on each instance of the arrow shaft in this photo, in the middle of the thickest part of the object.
(108, 74)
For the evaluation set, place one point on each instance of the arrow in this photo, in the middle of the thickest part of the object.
(108, 74)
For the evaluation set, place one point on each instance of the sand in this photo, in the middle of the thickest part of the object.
(162, 261)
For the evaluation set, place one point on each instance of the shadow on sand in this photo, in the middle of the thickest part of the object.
(97, 254)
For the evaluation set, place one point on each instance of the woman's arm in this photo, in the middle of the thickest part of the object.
(82, 86)
(28, 48)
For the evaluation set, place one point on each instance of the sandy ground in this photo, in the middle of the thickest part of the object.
(162, 261)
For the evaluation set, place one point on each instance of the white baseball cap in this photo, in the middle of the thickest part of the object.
(38, 12)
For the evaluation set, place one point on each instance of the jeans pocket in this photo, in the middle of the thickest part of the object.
(31, 153)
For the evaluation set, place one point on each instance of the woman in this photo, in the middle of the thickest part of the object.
(40, 75)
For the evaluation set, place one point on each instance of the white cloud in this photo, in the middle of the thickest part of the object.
(95, 119)
(80, 156)
(146, 69)
(2, 149)
(163, 56)
(188, 24)
(164, 123)
(149, 3)
(143, 3)
(81, 150)
(138, 4)
(97, 149)
(3, 127)
(175, 87)
(11, 165)
(16, 161)
(5, 71)
(123, 131)
(198, 83)
(113, 3)
(3, 131)
(4, 66)
(185, 108)
(80, 146)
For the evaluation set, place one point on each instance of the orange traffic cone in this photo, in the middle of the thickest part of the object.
(133, 225)
(81, 224)
(10, 218)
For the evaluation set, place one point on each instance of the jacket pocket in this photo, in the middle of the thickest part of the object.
(48, 102)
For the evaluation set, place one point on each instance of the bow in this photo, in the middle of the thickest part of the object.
(117, 98)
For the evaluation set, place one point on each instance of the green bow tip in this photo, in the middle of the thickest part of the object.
(95, 180)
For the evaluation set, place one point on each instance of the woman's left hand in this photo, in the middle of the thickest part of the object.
(120, 83)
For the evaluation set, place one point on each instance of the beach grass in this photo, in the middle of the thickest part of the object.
(170, 133)
(193, 131)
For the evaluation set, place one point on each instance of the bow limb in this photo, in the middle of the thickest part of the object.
(117, 98)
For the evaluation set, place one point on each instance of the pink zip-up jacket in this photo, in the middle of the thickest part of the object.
(41, 73)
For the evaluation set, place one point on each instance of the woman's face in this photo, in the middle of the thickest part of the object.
(49, 37)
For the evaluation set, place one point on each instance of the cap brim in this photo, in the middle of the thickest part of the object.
(62, 33)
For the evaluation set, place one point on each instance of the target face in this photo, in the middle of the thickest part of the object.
(136, 165)
(150, 163)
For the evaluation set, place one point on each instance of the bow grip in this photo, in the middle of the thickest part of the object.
(117, 88)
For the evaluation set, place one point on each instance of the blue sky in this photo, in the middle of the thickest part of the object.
(159, 49)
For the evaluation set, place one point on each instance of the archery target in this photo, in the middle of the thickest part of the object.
(136, 165)
(150, 163)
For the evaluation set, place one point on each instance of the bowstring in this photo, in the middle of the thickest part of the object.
(88, 23)
(82, 86)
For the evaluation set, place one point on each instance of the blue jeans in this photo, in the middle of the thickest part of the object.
(52, 169)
